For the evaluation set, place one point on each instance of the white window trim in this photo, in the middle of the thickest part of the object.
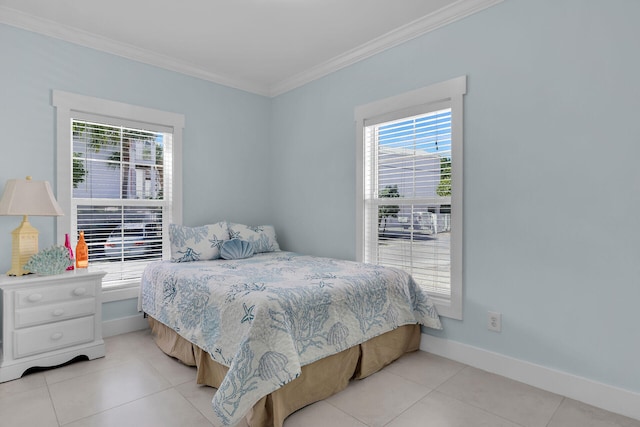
(65, 103)
(452, 92)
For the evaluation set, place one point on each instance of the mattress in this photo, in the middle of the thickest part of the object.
(267, 316)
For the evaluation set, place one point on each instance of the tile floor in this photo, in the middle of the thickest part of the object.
(138, 385)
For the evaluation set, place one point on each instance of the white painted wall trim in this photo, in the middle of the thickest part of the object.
(594, 393)
(455, 11)
(124, 325)
(80, 37)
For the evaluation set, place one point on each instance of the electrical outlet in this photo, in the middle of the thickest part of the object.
(494, 321)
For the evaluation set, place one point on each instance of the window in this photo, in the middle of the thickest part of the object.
(410, 188)
(118, 171)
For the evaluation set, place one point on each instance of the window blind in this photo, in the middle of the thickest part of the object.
(121, 195)
(407, 178)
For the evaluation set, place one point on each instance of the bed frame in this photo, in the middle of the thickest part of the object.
(318, 380)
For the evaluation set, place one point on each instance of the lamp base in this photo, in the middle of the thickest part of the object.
(24, 245)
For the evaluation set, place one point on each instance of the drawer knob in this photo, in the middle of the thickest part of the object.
(34, 297)
(56, 336)
(79, 291)
(58, 312)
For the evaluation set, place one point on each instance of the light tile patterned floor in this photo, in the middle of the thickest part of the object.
(138, 385)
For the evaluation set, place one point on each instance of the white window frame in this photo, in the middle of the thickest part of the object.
(67, 105)
(447, 94)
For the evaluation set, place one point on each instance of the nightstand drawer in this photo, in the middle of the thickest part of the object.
(48, 294)
(40, 339)
(54, 312)
(49, 320)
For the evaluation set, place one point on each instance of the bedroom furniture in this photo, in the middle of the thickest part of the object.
(49, 320)
(279, 330)
(317, 381)
(25, 197)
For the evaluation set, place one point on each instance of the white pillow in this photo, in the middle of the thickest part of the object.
(263, 237)
(197, 243)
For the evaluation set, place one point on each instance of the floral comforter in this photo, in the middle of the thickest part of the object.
(266, 316)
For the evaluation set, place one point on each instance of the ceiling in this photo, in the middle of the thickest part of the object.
(261, 46)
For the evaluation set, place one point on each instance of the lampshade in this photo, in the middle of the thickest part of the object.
(26, 197)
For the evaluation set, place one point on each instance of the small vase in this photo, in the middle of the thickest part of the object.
(67, 245)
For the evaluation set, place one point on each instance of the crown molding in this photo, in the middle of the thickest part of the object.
(444, 16)
(55, 30)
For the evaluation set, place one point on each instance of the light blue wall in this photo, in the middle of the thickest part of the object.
(552, 182)
(224, 127)
(551, 176)
(225, 136)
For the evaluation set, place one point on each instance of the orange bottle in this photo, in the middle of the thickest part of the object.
(82, 252)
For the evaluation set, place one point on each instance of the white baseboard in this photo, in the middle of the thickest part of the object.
(597, 394)
(124, 325)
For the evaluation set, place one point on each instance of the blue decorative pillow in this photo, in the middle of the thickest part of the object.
(197, 243)
(236, 249)
(263, 237)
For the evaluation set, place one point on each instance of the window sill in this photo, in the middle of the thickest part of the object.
(445, 307)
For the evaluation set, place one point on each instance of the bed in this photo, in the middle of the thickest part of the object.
(278, 330)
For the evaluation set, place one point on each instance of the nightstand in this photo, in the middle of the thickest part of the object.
(49, 320)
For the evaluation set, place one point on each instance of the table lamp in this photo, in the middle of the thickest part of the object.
(26, 197)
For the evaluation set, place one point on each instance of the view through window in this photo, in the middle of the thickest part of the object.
(118, 180)
(409, 188)
(119, 197)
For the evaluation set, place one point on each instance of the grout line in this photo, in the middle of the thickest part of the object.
(335, 407)
(55, 412)
(556, 411)
(411, 406)
(111, 408)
